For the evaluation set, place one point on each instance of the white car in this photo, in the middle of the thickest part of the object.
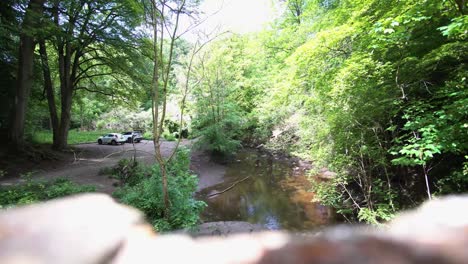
(132, 136)
(111, 138)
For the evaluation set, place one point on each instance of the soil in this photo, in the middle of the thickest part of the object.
(85, 164)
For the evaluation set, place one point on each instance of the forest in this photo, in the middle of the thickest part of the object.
(373, 91)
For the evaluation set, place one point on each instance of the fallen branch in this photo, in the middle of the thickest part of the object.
(229, 188)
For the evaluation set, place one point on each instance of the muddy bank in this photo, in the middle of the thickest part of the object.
(209, 173)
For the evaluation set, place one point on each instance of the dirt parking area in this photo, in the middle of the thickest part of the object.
(85, 162)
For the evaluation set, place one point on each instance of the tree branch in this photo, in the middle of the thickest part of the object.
(227, 189)
(93, 91)
(92, 76)
(84, 71)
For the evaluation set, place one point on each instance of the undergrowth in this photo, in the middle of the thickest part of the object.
(142, 188)
(33, 191)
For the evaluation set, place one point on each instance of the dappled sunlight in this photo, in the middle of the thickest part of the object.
(233, 116)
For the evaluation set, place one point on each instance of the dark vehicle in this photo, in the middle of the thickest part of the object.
(131, 137)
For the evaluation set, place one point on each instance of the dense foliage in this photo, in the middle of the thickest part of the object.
(143, 190)
(376, 91)
(229, 85)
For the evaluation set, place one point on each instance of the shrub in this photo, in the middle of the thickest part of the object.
(218, 140)
(148, 135)
(63, 187)
(169, 136)
(36, 191)
(147, 195)
(129, 172)
(171, 126)
(456, 182)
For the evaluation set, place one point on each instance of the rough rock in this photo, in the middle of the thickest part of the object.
(80, 229)
(95, 229)
(225, 228)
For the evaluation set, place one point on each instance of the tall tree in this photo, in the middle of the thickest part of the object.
(8, 59)
(25, 71)
(163, 17)
(84, 33)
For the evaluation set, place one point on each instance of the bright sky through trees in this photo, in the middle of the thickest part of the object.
(238, 16)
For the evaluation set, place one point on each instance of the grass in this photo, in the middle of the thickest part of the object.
(74, 136)
(33, 191)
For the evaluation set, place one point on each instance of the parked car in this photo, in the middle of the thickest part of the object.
(134, 136)
(111, 138)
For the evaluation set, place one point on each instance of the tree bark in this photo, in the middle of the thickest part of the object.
(68, 62)
(25, 73)
(65, 118)
(157, 128)
(49, 88)
(70, 53)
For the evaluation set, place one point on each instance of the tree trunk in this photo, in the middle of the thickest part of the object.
(67, 71)
(65, 118)
(157, 128)
(23, 89)
(25, 73)
(81, 118)
(48, 86)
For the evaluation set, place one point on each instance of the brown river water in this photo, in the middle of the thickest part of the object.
(275, 195)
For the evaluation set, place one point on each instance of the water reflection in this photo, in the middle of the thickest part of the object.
(275, 195)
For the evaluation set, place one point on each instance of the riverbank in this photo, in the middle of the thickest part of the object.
(275, 187)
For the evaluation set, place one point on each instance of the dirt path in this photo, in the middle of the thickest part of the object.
(85, 163)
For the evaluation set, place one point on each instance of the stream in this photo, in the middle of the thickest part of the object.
(275, 195)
